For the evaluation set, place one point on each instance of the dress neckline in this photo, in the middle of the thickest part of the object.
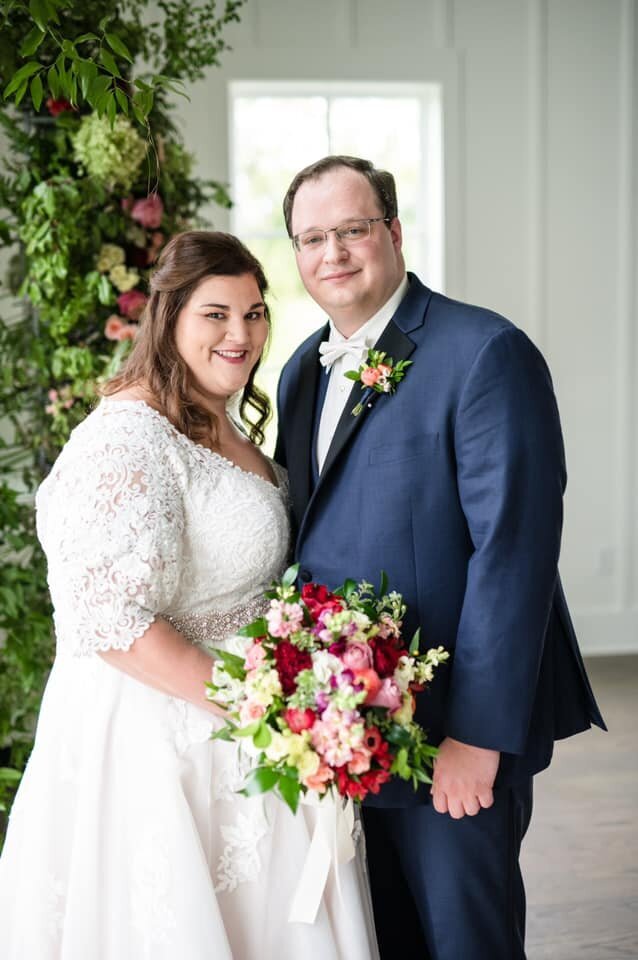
(105, 401)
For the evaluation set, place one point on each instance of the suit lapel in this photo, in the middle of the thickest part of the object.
(300, 433)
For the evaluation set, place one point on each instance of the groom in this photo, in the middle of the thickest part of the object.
(453, 485)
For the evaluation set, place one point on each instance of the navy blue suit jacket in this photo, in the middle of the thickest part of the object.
(453, 485)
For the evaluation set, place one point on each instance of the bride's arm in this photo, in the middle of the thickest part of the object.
(163, 659)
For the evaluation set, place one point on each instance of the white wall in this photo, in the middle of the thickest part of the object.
(541, 144)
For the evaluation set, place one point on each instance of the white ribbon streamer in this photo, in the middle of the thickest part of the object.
(331, 845)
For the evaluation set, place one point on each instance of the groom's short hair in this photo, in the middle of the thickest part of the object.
(381, 182)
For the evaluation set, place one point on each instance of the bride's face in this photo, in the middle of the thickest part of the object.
(220, 334)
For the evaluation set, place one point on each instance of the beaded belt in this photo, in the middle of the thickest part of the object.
(212, 627)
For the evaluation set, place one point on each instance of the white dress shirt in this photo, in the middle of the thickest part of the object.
(339, 386)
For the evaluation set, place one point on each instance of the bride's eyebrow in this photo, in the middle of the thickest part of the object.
(220, 306)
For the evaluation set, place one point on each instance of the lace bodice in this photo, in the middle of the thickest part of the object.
(137, 521)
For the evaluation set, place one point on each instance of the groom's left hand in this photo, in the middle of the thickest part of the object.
(463, 778)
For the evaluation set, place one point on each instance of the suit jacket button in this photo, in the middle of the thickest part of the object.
(305, 575)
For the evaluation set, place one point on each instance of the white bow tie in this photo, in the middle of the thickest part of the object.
(331, 352)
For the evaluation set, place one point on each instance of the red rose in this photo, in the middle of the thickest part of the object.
(299, 720)
(386, 657)
(318, 598)
(290, 661)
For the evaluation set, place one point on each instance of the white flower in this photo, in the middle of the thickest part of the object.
(277, 749)
(404, 673)
(262, 686)
(324, 665)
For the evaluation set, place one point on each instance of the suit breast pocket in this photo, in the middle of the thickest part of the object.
(406, 448)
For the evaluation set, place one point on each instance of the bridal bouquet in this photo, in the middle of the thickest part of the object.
(325, 692)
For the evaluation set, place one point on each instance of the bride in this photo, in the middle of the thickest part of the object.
(163, 524)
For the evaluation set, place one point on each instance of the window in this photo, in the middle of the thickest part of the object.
(279, 128)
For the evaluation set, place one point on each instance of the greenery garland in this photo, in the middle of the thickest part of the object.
(96, 181)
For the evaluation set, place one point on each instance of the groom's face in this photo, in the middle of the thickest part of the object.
(349, 281)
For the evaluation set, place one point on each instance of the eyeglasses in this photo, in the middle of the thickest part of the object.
(352, 231)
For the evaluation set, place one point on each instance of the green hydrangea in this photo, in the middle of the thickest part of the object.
(112, 155)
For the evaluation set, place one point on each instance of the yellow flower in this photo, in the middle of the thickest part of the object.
(110, 256)
(307, 764)
(123, 279)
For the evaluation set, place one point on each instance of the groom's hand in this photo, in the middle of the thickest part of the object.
(463, 778)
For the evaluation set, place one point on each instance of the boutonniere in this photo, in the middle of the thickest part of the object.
(377, 374)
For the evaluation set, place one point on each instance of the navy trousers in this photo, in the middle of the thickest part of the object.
(447, 889)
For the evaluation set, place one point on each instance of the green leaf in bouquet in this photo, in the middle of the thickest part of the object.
(290, 789)
(233, 665)
(397, 735)
(349, 587)
(260, 780)
(414, 642)
(352, 374)
(401, 765)
(225, 733)
(420, 776)
(249, 730)
(258, 628)
(290, 576)
(383, 586)
(262, 736)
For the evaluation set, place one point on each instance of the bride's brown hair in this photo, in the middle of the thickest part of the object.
(186, 260)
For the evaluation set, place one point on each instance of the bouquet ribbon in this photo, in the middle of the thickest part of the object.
(331, 845)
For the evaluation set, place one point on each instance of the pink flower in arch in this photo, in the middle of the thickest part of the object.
(149, 211)
(132, 303)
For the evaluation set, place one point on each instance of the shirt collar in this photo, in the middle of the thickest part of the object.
(372, 329)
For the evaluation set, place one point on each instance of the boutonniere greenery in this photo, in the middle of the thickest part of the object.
(377, 374)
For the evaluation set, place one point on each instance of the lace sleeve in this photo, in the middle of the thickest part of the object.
(110, 518)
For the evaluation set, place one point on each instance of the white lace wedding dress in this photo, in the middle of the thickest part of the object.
(127, 839)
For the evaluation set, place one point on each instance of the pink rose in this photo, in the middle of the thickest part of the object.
(255, 657)
(132, 303)
(357, 656)
(251, 711)
(149, 211)
(384, 370)
(298, 719)
(369, 376)
(319, 781)
(389, 695)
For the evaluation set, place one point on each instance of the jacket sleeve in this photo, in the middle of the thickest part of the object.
(511, 478)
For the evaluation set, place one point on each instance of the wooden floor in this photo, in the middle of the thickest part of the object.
(580, 857)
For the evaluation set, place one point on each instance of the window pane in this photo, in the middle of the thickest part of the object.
(274, 138)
